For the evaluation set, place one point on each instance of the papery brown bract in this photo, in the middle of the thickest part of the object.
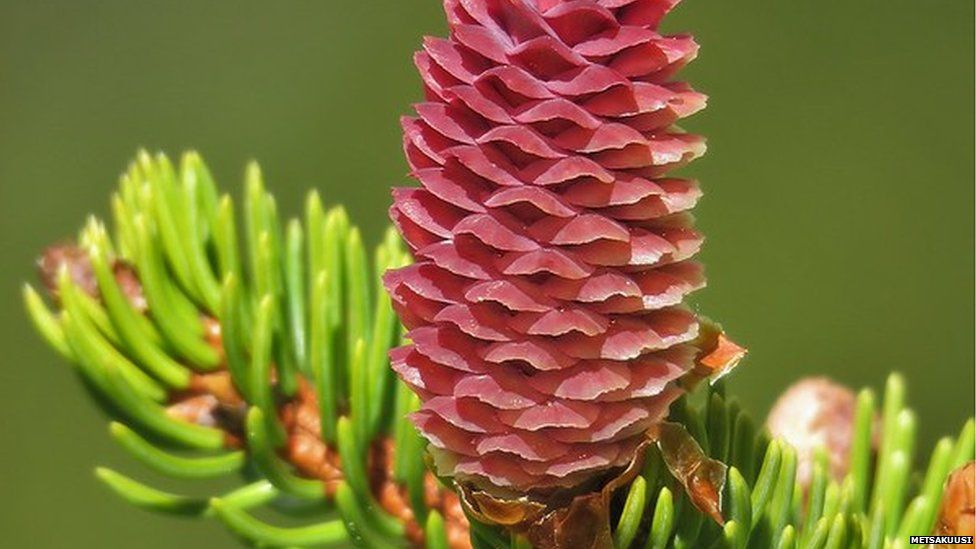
(552, 255)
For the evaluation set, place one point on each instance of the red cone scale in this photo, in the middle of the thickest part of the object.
(552, 252)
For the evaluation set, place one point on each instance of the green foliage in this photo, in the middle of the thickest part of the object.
(878, 504)
(306, 298)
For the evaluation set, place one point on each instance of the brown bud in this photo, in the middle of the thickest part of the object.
(305, 448)
(198, 409)
(957, 515)
(219, 384)
(128, 281)
(75, 259)
(815, 412)
(214, 335)
(79, 266)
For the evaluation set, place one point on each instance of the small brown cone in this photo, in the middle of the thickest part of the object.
(957, 515)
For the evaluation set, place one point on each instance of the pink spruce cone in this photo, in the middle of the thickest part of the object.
(552, 255)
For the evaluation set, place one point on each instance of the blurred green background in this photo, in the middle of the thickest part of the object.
(839, 181)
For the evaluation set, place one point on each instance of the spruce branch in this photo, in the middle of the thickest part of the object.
(263, 356)
(282, 377)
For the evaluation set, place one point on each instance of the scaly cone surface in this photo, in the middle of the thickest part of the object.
(552, 252)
